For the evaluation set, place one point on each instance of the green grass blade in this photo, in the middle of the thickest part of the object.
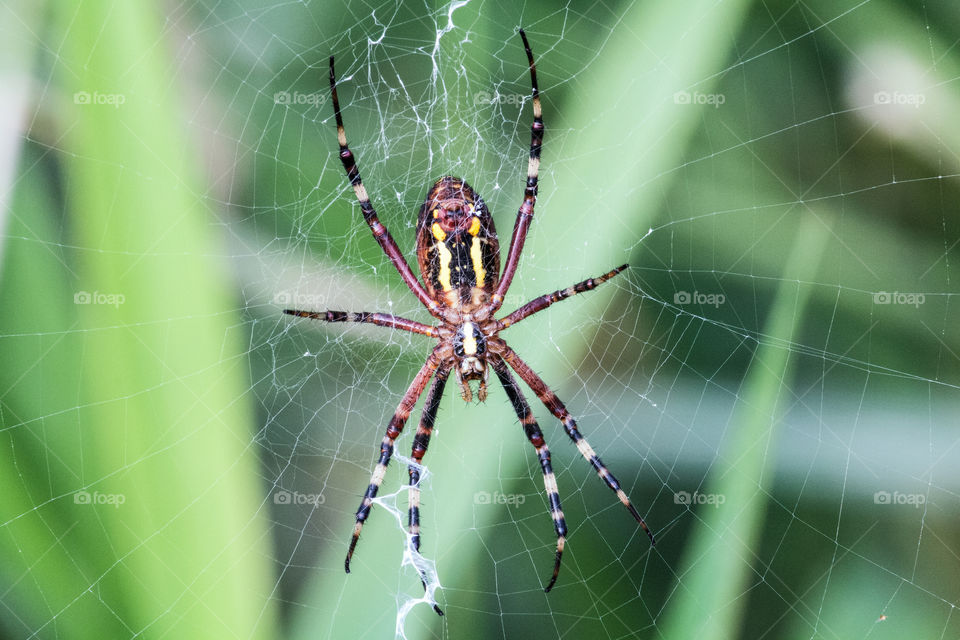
(172, 539)
(709, 601)
(42, 566)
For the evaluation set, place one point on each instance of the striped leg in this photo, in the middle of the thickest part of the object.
(380, 233)
(541, 303)
(570, 426)
(379, 319)
(420, 442)
(394, 427)
(525, 214)
(535, 436)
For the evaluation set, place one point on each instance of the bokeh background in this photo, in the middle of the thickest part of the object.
(775, 380)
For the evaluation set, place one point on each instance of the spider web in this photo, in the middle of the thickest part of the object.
(751, 161)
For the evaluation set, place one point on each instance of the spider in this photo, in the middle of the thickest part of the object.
(459, 259)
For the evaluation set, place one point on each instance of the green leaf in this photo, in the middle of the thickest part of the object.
(149, 492)
(720, 556)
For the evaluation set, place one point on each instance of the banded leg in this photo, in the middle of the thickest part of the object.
(394, 427)
(420, 442)
(379, 319)
(535, 436)
(380, 233)
(541, 303)
(525, 214)
(570, 426)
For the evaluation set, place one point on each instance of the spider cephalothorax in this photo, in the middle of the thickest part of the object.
(459, 258)
(470, 357)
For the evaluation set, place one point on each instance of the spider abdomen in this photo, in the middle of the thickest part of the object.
(457, 247)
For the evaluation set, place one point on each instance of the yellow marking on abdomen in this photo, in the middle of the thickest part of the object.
(445, 258)
(438, 232)
(477, 257)
(474, 226)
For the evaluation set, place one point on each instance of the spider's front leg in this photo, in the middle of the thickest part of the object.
(535, 436)
(394, 428)
(420, 442)
(556, 407)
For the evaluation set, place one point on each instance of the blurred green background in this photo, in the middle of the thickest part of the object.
(775, 381)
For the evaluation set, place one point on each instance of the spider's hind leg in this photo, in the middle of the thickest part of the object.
(380, 233)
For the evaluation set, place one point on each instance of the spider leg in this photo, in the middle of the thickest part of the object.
(420, 442)
(570, 426)
(541, 303)
(379, 319)
(525, 213)
(380, 233)
(394, 427)
(535, 436)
